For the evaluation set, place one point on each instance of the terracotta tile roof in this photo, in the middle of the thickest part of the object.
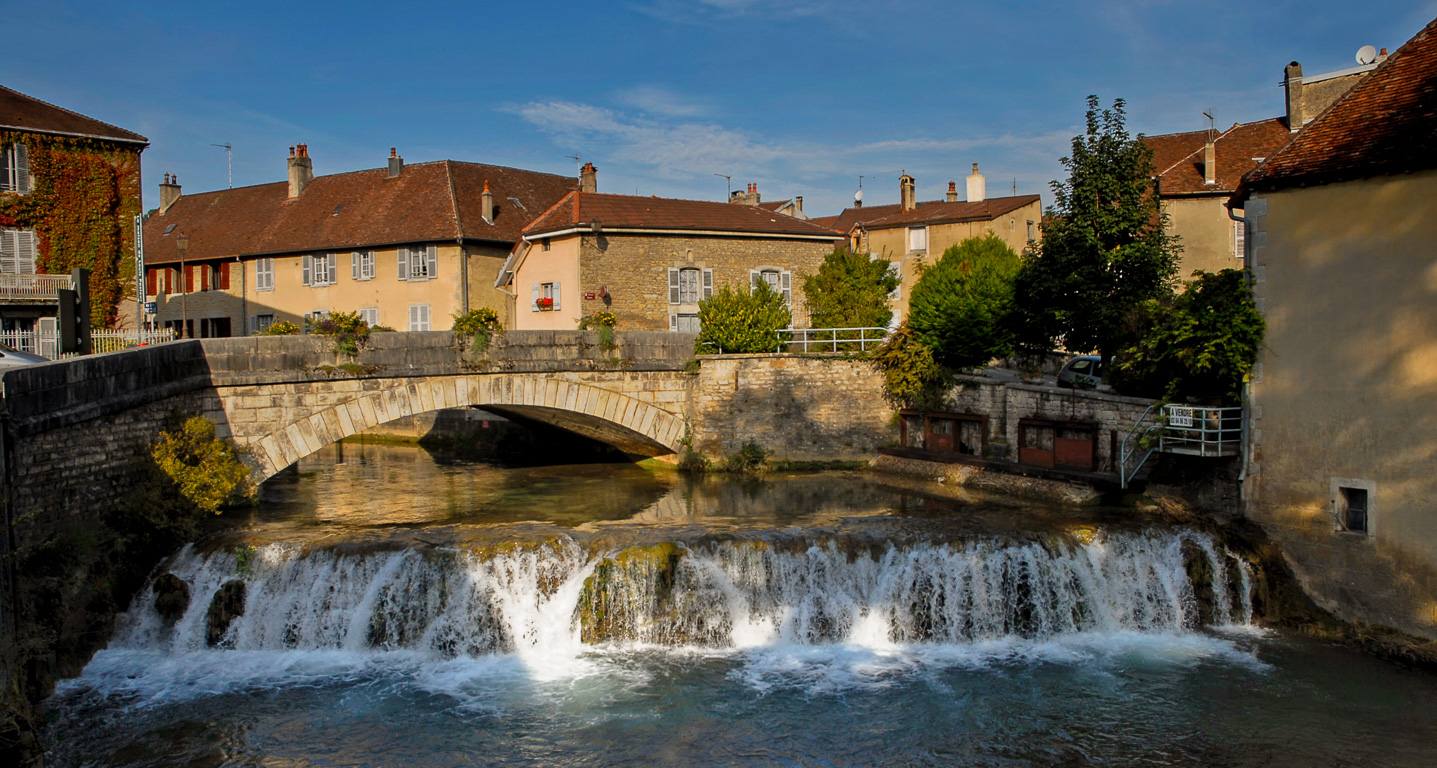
(428, 202)
(27, 113)
(1179, 157)
(774, 205)
(828, 222)
(631, 212)
(937, 212)
(1386, 124)
(844, 222)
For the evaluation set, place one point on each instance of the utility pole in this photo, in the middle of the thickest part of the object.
(230, 157)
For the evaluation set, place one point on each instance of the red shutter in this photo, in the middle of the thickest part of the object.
(189, 278)
(150, 281)
(224, 276)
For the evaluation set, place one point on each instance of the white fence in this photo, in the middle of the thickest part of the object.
(45, 342)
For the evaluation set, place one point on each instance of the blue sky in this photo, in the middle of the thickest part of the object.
(800, 96)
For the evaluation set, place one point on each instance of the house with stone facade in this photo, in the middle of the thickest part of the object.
(913, 234)
(650, 260)
(88, 223)
(1341, 229)
(406, 246)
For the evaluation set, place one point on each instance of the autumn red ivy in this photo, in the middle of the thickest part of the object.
(81, 213)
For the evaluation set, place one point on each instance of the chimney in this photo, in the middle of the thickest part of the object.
(977, 186)
(588, 178)
(798, 204)
(1292, 80)
(907, 192)
(952, 195)
(747, 197)
(1209, 163)
(301, 170)
(396, 164)
(169, 192)
(486, 204)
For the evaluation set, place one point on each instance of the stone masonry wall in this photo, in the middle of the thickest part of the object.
(796, 408)
(635, 271)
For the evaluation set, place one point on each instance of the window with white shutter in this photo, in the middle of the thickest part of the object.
(690, 286)
(418, 317)
(917, 238)
(673, 286)
(264, 275)
(708, 283)
(306, 269)
(1239, 239)
(15, 169)
(786, 286)
(402, 255)
(420, 261)
(17, 251)
(261, 322)
(370, 316)
(780, 281)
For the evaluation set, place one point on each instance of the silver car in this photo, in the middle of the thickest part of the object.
(1082, 372)
(14, 358)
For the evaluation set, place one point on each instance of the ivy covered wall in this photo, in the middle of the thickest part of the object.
(81, 205)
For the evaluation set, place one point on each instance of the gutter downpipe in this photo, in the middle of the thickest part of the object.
(464, 267)
(1247, 377)
(244, 299)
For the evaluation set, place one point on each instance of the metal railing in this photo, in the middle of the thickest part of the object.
(805, 340)
(33, 287)
(1138, 444)
(47, 343)
(1186, 429)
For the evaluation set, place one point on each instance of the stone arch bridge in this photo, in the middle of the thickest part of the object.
(72, 429)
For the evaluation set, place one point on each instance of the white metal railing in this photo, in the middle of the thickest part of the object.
(831, 339)
(33, 287)
(46, 342)
(1193, 430)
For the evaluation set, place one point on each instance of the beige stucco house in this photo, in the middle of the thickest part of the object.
(1342, 239)
(407, 246)
(650, 260)
(913, 234)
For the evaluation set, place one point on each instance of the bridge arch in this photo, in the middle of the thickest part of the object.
(589, 408)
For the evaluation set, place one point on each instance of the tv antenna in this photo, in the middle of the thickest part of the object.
(1211, 128)
(230, 159)
(729, 179)
(577, 162)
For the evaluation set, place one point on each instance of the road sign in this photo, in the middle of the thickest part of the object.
(150, 308)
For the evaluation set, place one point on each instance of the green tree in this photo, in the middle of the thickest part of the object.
(850, 290)
(1199, 345)
(742, 321)
(207, 471)
(911, 377)
(962, 306)
(1105, 249)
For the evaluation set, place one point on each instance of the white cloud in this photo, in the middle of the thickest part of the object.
(662, 101)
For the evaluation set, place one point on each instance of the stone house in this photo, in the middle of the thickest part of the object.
(914, 234)
(1198, 171)
(39, 142)
(1343, 400)
(406, 246)
(650, 260)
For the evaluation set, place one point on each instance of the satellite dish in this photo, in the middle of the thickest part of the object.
(858, 196)
(1366, 54)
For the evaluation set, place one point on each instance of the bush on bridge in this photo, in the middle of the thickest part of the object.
(478, 326)
(733, 321)
(281, 328)
(349, 331)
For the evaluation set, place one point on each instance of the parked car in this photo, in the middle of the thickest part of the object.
(14, 358)
(1082, 372)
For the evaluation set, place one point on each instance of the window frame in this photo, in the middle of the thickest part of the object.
(264, 274)
(413, 321)
(361, 266)
(15, 176)
(920, 231)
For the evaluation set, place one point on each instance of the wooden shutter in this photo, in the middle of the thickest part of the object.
(22, 170)
(25, 251)
(534, 304)
(402, 254)
(673, 323)
(556, 295)
(708, 283)
(753, 277)
(333, 276)
(306, 269)
(224, 276)
(189, 278)
(413, 315)
(150, 281)
(8, 245)
(431, 262)
(673, 286)
(785, 281)
(354, 268)
(895, 269)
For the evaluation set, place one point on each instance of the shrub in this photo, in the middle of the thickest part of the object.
(742, 321)
(911, 377)
(604, 323)
(281, 328)
(850, 290)
(479, 326)
(750, 458)
(962, 307)
(349, 331)
(206, 470)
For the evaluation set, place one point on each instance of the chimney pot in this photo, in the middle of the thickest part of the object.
(396, 164)
(301, 170)
(952, 196)
(588, 178)
(1292, 81)
(393, 152)
(1383, 53)
(486, 204)
(907, 192)
(169, 192)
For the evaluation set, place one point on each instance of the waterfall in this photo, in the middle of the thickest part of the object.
(556, 597)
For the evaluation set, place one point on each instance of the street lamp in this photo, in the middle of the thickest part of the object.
(182, 241)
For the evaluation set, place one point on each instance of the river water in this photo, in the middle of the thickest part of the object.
(388, 609)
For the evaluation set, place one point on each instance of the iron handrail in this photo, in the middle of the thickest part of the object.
(805, 337)
(1134, 441)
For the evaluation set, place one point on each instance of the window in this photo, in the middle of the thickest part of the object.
(17, 251)
(544, 244)
(917, 238)
(684, 323)
(419, 262)
(690, 285)
(780, 281)
(370, 316)
(418, 317)
(15, 169)
(320, 269)
(260, 322)
(1032, 232)
(1354, 509)
(896, 269)
(264, 276)
(1239, 239)
(310, 318)
(361, 265)
(545, 297)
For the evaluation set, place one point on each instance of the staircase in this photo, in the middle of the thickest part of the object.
(1181, 429)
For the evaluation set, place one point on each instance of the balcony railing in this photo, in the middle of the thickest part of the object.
(46, 342)
(31, 288)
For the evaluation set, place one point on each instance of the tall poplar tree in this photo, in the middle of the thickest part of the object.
(1104, 250)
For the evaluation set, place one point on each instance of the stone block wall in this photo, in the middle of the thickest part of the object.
(796, 408)
(634, 269)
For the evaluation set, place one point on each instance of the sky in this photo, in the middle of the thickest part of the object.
(802, 97)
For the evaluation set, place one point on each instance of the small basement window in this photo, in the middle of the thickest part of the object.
(1352, 509)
